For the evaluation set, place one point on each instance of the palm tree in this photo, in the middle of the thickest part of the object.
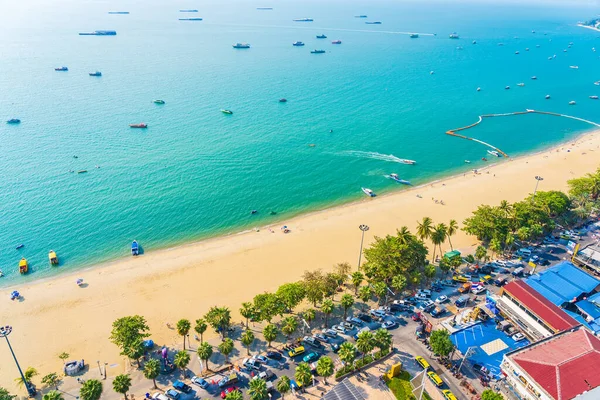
(327, 308)
(28, 374)
(183, 328)
(399, 283)
(452, 229)
(347, 352)
(325, 367)
(121, 384)
(226, 347)
(303, 374)
(247, 311)
(53, 395)
(51, 380)
(480, 253)
(309, 315)
(204, 351)
(181, 360)
(365, 343)
(152, 370)
(438, 236)
(380, 290)
(91, 390)
(200, 328)
(357, 279)
(247, 339)
(383, 339)
(365, 294)
(235, 395)
(404, 235)
(289, 326)
(283, 385)
(495, 246)
(270, 333)
(258, 389)
(505, 207)
(346, 301)
(425, 228)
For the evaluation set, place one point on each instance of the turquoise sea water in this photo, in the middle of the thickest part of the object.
(196, 173)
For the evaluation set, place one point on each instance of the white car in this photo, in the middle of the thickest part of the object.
(518, 337)
(378, 313)
(339, 328)
(478, 289)
(427, 305)
(425, 292)
(330, 332)
(441, 299)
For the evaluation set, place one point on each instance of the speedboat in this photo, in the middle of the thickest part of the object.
(368, 192)
(409, 162)
(597, 83)
(190, 19)
(594, 97)
(336, 42)
(20, 246)
(360, 16)
(23, 266)
(414, 35)
(321, 37)
(141, 125)
(572, 103)
(520, 84)
(303, 20)
(97, 73)
(547, 96)
(226, 111)
(241, 46)
(517, 52)
(474, 41)
(453, 35)
(13, 121)
(373, 23)
(467, 162)
(61, 69)
(534, 77)
(317, 51)
(395, 177)
(53, 257)
(507, 87)
(494, 153)
(479, 89)
(573, 66)
(135, 249)
(283, 100)
(158, 101)
(298, 44)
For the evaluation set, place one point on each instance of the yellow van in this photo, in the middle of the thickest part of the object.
(422, 362)
(448, 395)
(296, 351)
(435, 378)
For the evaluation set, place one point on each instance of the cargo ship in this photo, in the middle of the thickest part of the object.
(98, 33)
(190, 19)
(140, 125)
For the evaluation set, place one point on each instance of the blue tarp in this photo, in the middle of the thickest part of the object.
(593, 326)
(562, 283)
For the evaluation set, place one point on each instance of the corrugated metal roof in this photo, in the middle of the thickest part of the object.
(562, 283)
(589, 308)
(344, 390)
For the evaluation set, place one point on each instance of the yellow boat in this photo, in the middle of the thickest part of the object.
(23, 267)
(53, 257)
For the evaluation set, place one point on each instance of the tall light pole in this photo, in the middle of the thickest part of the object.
(537, 182)
(4, 332)
(363, 229)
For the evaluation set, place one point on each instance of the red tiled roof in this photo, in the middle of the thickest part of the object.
(540, 306)
(564, 366)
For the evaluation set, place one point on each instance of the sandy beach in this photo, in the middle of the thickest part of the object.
(56, 315)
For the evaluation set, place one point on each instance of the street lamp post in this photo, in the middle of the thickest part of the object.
(537, 182)
(4, 332)
(363, 229)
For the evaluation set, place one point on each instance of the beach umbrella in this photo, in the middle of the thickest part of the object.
(79, 281)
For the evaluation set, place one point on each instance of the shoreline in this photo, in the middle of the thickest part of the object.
(589, 27)
(234, 233)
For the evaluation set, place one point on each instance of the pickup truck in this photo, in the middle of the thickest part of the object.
(229, 380)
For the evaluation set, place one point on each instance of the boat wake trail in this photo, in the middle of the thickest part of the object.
(375, 156)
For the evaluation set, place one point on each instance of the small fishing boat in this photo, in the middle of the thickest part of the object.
(13, 121)
(597, 83)
(507, 87)
(23, 266)
(61, 69)
(373, 23)
(97, 73)
(483, 159)
(190, 19)
(229, 112)
(241, 46)
(534, 77)
(395, 177)
(467, 162)
(517, 52)
(82, 171)
(572, 103)
(188, 11)
(158, 101)
(264, 8)
(547, 96)
(594, 97)
(141, 125)
(118, 12)
(453, 35)
(283, 100)
(494, 153)
(317, 51)
(573, 66)
(20, 246)
(53, 257)
(303, 20)
(360, 16)
(336, 42)
(135, 249)
(321, 37)
(521, 84)
(405, 161)
(368, 192)
(414, 36)
(298, 44)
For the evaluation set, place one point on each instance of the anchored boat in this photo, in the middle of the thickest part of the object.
(158, 101)
(13, 121)
(135, 249)
(321, 37)
(395, 177)
(303, 20)
(53, 257)
(61, 69)
(494, 153)
(298, 44)
(97, 73)
(317, 51)
(368, 192)
(241, 46)
(23, 266)
(141, 125)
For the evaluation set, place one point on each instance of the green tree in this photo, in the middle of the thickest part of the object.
(357, 279)
(587, 186)
(303, 374)
(183, 328)
(121, 384)
(325, 367)
(438, 237)
(496, 246)
(440, 342)
(64, 356)
(425, 228)
(429, 271)
(226, 347)
(267, 306)
(51, 380)
(181, 360)
(365, 294)
(309, 315)
(404, 235)
(365, 343)
(135, 350)
(382, 340)
(5, 395)
(53, 395)
(346, 302)
(219, 318)
(451, 231)
(258, 389)
(235, 395)
(398, 283)
(445, 264)
(127, 332)
(91, 390)
(489, 394)
(247, 339)
(291, 294)
(200, 328)
(290, 324)
(480, 253)
(314, 286)
(380, 290)
(204, 351)
(152, 370)
(347, 353)
(283, 385)
(270, 333)
(327, 308)
(28, 374)
(247, 311)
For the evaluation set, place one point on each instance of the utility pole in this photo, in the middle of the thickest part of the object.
(4, 332)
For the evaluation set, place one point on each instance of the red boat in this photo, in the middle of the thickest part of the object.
(141, 125)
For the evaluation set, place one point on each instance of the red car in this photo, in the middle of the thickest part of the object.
(230, 389)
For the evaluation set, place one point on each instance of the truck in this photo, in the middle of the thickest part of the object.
(229, 380)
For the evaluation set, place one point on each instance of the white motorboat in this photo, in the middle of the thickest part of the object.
(573, 66)
(409, 162)
(494, 153)
(368, 192)
(594, 97)
(572, 103)
(395, 177)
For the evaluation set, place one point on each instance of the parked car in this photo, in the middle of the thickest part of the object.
(461, 301)
(425, 292)
(228, 380)
(310, 357)
(378, 313)
(296, 351)
(265, 375)
(172, 394)
(400, 307)
(159, 396)
(355, 321)
(311, 341)
(334, 347)
(500, 282)
(182, 387)
(441, 299)
(348, 325)
(517, 337)
(330, 332)
(321, 338)
(339, 328)
(478, 289)
(421, 296)
(251, 363)
(437, 381)
(260, 358)
(389, 324)
(363, 329)
(365, 318)
(422, 362)
(438, 311)
(448, 395)
(427, 305)
(274, 355)
(199, 381)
